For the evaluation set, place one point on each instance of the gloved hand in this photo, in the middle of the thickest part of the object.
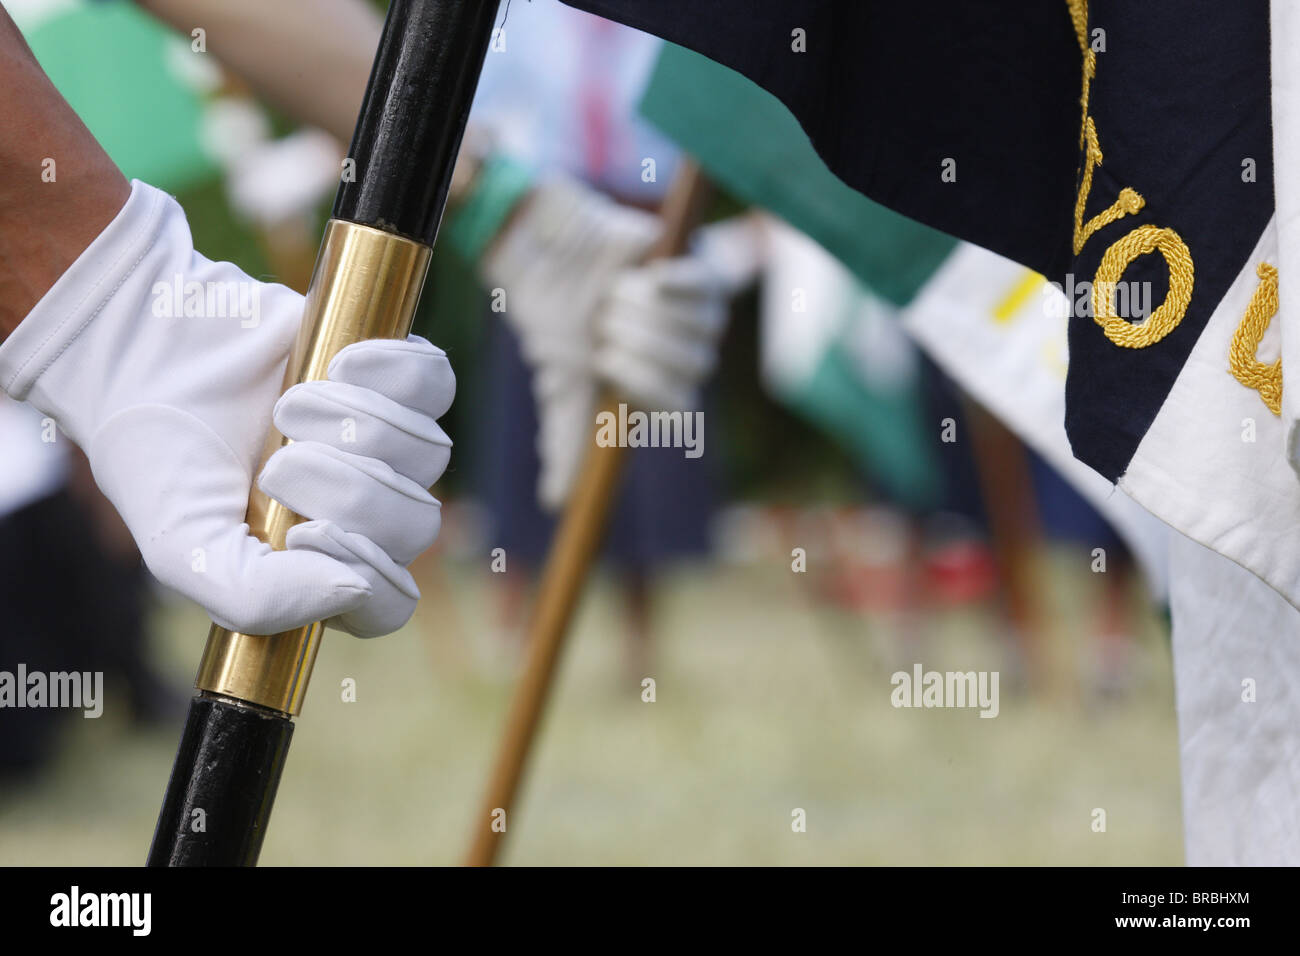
(554, 262)
(165, 367)
(657, 332)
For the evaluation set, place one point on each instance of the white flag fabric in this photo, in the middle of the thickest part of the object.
(1236, 658)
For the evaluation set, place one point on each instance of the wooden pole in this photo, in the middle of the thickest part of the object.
(572, 552)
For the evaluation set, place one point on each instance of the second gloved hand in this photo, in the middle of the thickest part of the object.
(658, 327)
(554, 264)
(658, 330)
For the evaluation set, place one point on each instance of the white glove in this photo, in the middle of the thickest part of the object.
(555, 262)
(171, 397)
(658, 332)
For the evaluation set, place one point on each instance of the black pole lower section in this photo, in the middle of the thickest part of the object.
(222, 786)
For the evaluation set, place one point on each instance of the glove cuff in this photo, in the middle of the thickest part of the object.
(80, 294)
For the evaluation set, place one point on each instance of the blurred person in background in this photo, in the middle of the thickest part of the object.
(837, 354)
(1108, 670)
(566, 182)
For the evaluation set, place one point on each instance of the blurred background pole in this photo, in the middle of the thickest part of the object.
(567, 564)
(366, 284)
(1007, 490)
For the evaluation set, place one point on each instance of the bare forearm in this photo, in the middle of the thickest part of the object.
(58, 188)
(311, 58)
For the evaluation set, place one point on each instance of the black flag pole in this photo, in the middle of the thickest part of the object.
(366, 284)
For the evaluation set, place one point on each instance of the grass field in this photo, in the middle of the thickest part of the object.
(765, 703)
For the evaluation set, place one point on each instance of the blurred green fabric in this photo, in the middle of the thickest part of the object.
(133, 84)
(753, 146)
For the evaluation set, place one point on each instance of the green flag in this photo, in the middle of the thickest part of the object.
(136, 85)
(752, 145)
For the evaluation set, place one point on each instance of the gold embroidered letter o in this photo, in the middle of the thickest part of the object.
(1119, 257)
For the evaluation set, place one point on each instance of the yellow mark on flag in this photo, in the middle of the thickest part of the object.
(1242, 362)
(1017, 297)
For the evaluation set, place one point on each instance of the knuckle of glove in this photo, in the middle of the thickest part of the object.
(411, 372)
(360, 495)
(376, 618)
(362, 422)
(393, 592)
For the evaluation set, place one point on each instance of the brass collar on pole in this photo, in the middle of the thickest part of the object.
(366, 285)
